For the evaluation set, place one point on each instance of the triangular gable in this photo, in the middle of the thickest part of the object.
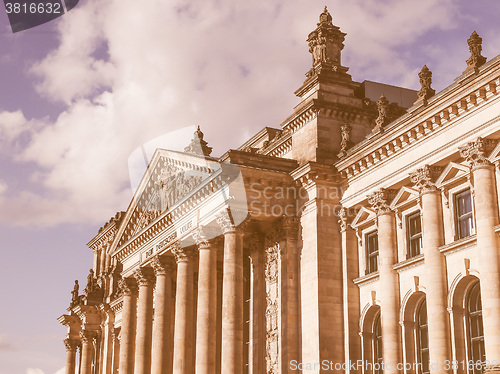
(170, 177)
(452, 172)
(495, 154)
(363, 215)
(404, 195)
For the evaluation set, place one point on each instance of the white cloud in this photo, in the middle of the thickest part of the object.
(61, 371)
(34, 371)
(129, 75)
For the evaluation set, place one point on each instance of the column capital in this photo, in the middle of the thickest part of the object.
(182, 254)
(424, 178)
(226, 222)
(128, 286)
(346, 216)
(144, 276)
(380, 200)
(162, 265)
(71, 344)
(205, 237)
(475, 152)
(291, 227)
(87, 336)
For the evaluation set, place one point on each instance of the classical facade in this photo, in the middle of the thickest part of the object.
(361, 236)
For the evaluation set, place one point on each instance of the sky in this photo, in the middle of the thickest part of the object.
(79, 94)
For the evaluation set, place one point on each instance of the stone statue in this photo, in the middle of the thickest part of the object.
(426, 90)
(382, 105)
(91, 282)
(74, 294)
(345, 142)
(475, 47)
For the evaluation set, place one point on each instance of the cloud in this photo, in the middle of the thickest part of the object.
(34, 371)
(129, 76)
(61, 371)
(6, 345)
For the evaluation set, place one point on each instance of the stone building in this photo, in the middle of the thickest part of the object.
(360, 236)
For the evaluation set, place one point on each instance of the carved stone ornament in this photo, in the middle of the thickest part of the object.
(291, 227)
(272, 308)
(475, 47)
(343, 219)
(127, 287)
(380, 200)
(176, 183)
(200, 236)
(225, 221)
(425, 91)
(182, 254)
(475, 152)
(71, 344)
(162, 265)
(198, 146)
(382, 105)
(326, 42)
(144, 276)
(424, 178)
(87, 336)
(345, 141)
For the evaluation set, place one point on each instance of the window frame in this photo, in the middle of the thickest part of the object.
(472, 340)
(410, 237)
(369, 255)
(419, 350)
(469, 215)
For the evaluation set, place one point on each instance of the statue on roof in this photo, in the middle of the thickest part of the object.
(382, 105)
(426, 90)
(475, 47)
(74, 294)
(198, 146)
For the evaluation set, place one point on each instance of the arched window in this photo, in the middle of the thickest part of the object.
(422, 338)
(377, 346)
(475, 328)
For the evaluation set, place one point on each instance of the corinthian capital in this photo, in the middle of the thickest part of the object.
(182, 254)
(87, 336)
(380, 200)
(291, 227)
(144, 276)
(201, 236)
(424, 178)
(128, 286)
(475, 153)
(70, 344)
(225, 221)
(162, 265)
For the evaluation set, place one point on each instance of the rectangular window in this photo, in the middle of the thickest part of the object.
(371, 242)
(463, 212)
(414, 233)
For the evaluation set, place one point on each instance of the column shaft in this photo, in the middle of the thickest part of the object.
(258, 307)
(183, 330)
(70, 355)
(87, 351)
(486, 207)
(436, 281)
(207, 310)
(144, 333)
(232, 303)
(162, 345)
(129, 323)
(389, 291)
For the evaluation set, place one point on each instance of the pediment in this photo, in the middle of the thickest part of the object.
(363, 216)
(452, 172)
(404, 196)
(169, 179)
(495, 154)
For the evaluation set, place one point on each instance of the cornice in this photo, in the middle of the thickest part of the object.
(409, 263)
(458, 245)
(442, 110)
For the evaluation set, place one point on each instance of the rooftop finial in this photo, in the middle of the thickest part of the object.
(325, 17)
(426, 91)
(475, 47)
(198, 146)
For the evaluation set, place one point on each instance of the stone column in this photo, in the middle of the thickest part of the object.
(206, 333)
(232, 296)
(129, 323)
(116, 351)
(144, 334)
(290, 284)
(107, 339)
(183, 329)
(71, 345)
(102, 267)
(486, 214)
(350, 271)
(162, 344)
(388, 278)
(87, 338)
(435, 267)
(258, 305)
